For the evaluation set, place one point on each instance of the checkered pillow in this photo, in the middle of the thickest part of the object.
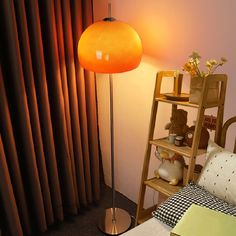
(171, 211)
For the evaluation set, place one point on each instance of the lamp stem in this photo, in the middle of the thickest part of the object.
(115, 220)
(109, 10)
(112, 148)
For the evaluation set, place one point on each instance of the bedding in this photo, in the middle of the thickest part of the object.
(171, 211)
(151, 227)
(218, 175)
(210, 191)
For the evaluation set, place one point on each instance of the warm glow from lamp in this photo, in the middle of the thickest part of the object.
(109, 46)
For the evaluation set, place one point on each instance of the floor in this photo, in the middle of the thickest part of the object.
(86, 223)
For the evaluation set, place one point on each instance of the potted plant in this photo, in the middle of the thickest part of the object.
(198, 76)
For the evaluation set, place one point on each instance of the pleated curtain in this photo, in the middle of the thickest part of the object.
(49, 152)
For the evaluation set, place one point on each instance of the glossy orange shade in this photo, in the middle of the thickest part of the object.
(109, 47)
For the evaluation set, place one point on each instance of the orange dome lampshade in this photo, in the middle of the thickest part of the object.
(109, 46)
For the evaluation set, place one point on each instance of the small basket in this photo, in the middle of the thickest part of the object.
(196, 86)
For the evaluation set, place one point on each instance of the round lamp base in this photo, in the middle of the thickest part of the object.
(121, 223)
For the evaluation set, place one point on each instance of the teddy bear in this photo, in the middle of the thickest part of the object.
(178, 122)
(171, 167)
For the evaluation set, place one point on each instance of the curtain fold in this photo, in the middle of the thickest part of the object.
(78, 28)
(49, 150)
(11, 152)
(7, 196)
(22, 112)
(37, 53)
(70, 65)
(33, 107)
(57, 106)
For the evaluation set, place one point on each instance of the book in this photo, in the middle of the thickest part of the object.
(202, 221)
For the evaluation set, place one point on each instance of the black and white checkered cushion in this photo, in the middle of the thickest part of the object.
(171, 211)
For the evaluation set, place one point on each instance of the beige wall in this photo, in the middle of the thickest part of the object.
(170, 30)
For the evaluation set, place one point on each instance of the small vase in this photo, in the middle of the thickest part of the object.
(196, 89)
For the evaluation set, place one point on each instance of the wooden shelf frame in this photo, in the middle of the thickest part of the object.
(191, 153)
(146, 214)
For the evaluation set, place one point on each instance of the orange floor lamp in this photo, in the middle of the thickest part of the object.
(110, 46)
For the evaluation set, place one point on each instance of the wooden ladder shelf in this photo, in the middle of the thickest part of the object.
(189, 152)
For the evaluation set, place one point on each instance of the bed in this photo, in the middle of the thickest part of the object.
(151, 227)
(219, 194)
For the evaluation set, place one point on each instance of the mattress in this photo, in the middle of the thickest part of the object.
(151, 227)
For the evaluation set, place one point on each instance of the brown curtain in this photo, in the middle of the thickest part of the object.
(49, 158)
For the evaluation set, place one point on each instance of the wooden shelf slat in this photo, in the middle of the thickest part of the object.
(162, 98)
(183, 103)
(183, 150)
(162, 186)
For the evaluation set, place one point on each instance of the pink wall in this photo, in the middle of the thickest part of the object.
(170, 31)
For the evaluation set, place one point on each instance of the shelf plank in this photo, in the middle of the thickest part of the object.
(183, 150)
(186, 103)
(183, 103)
(162, 186)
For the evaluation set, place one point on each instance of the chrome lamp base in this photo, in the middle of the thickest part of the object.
(111, 225)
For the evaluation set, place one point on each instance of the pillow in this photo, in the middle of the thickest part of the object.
(219, 173)
(171, 211)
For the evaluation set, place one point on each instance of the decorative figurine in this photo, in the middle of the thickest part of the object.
(171, 168)
(204, 137)
(178, 122)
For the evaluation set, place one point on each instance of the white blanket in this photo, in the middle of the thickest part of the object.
(152, 227)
